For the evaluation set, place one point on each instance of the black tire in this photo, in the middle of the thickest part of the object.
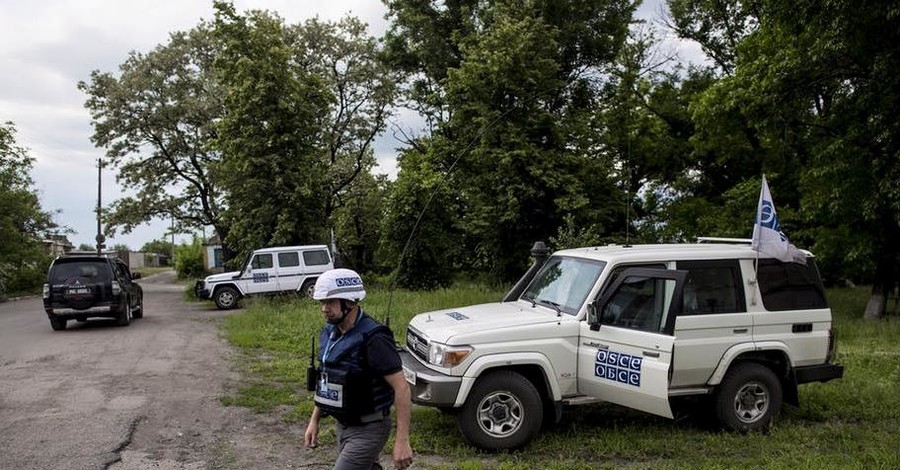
(308, 288)
(503, 411)
(748, 399)
(58, 324)
(138, 311)
(125, 315)
(226, 298)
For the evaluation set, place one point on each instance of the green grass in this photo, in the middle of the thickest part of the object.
(849, 423)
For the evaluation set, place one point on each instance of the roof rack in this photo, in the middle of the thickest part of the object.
(739, 241)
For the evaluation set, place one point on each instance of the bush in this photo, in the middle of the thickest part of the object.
(189, 260)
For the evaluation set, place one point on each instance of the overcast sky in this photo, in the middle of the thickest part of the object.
(48, 46)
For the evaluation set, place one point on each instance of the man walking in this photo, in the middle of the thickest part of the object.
(359, 378)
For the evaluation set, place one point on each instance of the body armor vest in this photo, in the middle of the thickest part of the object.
(346, 389)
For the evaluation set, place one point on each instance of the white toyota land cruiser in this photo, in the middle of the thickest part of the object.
(630, 325)
(268, 271)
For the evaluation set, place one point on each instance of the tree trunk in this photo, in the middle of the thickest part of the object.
(877, 301)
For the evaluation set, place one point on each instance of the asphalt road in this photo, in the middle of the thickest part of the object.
(99, 396)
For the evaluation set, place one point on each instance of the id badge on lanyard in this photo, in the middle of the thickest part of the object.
(330, 394)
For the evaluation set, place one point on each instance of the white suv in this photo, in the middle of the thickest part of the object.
(631, 325)
(268, 271)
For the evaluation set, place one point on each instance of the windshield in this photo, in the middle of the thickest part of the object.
(563, 283)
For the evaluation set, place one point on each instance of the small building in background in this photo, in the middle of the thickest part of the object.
(212, 255)
(56, 245)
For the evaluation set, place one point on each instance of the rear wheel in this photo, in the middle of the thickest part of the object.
(226, 298)
(749, 398)
(125, 315)
(138, 311)
(58, 324)
(503, 411)
(308, 288)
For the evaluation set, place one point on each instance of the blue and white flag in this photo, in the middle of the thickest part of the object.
(767, 235)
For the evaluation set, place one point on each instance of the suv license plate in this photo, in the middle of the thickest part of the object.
(79, 291)
(409, 375)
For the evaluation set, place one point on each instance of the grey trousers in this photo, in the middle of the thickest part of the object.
(359, 447)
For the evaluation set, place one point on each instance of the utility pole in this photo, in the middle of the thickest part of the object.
(100, 238)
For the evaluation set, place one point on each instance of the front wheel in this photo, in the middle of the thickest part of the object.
(503, 411)
(749, 398)
(226, 298)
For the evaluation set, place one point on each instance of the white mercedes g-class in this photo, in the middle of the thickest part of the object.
(268, 271)
(632, 325)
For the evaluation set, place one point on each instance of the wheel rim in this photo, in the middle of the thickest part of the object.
(226, 298)
(128, 313)
(500, 414)
(751, 402)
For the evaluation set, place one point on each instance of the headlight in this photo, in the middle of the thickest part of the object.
(447, 356)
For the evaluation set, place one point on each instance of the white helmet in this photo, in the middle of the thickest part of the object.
(339, 284)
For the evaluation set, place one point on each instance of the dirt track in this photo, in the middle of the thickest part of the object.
(146, 396)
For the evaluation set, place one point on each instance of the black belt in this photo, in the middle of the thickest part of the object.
(367, 419)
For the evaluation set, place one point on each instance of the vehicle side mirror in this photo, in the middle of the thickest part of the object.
(135, 275)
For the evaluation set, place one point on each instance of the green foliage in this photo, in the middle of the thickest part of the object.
(160, 246)
(508, 89)
(189, 260)
(23, 223)
(156, 121)
(847, 423)
(120, 248)
(418, 234)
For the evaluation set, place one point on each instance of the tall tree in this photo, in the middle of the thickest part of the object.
(362, 90)
(156, 120)
(817, 83)
(23, 223)
(269, 135)
(514, 87)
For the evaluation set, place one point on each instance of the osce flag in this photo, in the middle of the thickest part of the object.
(767, 235)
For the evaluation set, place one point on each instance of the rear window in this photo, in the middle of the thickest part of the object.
(85, 270)
(790, 286)
(315, 258)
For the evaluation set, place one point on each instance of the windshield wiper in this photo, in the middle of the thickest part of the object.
(528, 298)
(555, 306)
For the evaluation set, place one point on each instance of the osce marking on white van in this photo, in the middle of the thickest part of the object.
(618, 367)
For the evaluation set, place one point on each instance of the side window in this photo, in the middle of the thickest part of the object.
(315, 258)
(262, 261)
(288, 260)
(712, 287)
(640, 303)
(614, 274)
(790, 286)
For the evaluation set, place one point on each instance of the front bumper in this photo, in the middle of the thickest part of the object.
(428, 387)
(200, 290)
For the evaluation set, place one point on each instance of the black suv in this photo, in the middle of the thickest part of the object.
(81, 286)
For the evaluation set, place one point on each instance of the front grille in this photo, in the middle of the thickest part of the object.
(416, 344)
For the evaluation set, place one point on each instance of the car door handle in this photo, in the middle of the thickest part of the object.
(740, 331)
(651, 353)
